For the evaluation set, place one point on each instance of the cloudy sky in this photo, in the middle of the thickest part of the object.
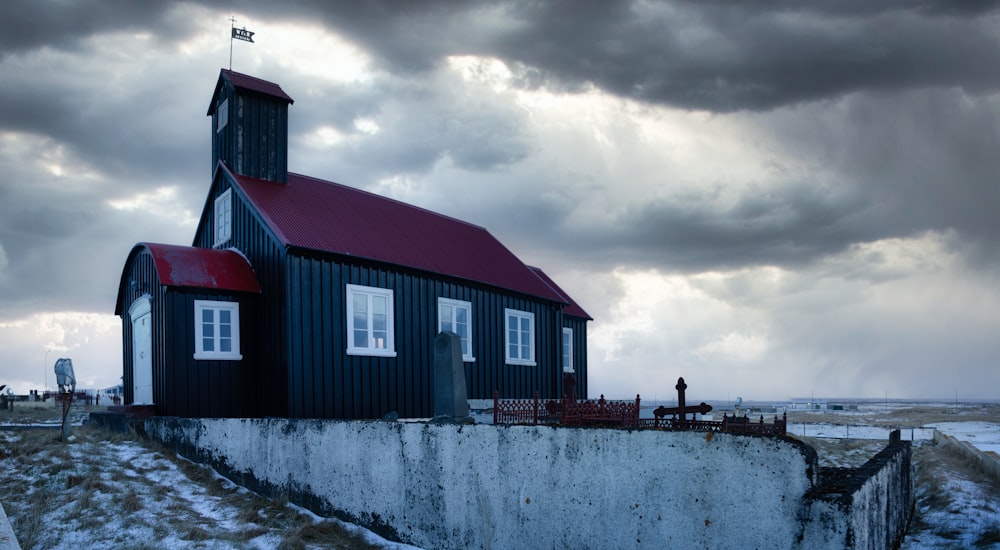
(793, 199)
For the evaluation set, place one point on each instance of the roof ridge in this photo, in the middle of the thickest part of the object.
(269, 220)
(250, 76)
(390, 199)
(544, 278)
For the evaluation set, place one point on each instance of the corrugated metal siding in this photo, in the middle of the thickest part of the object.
(325, 382)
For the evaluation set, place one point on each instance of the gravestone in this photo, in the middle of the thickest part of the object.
(451, 403)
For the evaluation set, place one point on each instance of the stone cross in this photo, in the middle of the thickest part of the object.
(682, 409)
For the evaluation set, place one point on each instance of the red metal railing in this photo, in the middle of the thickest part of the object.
(618, 414)
(566, 411)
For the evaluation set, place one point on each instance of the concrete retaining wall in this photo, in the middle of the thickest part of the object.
(485, 486)
(7, 539)
(988, 462)
(866, 507)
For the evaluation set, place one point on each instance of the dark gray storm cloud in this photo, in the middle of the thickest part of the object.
(757, 56)
(33, 24)
(898, 166)
(716, 56)
(913, 79)
(852, 143)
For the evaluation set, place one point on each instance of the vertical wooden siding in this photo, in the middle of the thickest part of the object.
(143, 273)
(268, 329)
(579, 327)
(303, 370)
(203, 388)
(326, 382)
(255, 140)
(181, 385)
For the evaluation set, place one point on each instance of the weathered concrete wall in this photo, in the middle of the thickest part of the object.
(988, 462)
(485, 486)
(866, 507)
(7, 539)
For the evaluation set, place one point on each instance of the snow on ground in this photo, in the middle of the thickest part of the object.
(857, 431)
(956, 505)
(985, 436)
(104, 490)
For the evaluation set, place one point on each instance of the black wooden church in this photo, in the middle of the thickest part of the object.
(305, 298)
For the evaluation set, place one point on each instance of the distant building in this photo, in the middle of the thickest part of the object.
(305, 298)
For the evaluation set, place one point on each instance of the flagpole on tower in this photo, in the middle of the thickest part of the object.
(238, 34)
(232, 31)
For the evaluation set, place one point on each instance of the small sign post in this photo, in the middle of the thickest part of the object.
(66, 379)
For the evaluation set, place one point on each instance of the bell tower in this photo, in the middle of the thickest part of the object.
(250, 126)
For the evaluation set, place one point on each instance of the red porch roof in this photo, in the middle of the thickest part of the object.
(330, 217)
(202, 268)
(187, 266)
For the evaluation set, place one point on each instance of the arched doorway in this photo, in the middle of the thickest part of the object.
(142, 346)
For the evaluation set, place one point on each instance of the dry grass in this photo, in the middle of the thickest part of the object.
(159, 496)
(325, 533)
(956, 504)
(919, 415)
(843, 453)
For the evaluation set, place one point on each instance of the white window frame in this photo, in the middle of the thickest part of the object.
(390, 340)
(456, 305)
(223, 221)
(223, 115)
(567, 346)
(519, 315)
(199, 333)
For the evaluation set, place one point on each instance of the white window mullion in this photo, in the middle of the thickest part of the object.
(519, 327)
(216, 330)
(456, 316)
(567, 349)
(223, 218)
(370, 323)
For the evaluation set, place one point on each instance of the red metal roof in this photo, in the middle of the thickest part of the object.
(188, 266)
(247, 82)
(330, 217)
(573, 308)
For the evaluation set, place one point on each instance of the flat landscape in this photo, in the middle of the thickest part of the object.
(958, 506)
(104, 490)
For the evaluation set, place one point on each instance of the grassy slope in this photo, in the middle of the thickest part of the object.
(108, 490)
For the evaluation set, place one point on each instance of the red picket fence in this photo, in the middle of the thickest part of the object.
(618, 414)
(566, 411)
(730, 424)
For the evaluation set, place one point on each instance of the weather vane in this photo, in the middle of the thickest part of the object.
(239, 34)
